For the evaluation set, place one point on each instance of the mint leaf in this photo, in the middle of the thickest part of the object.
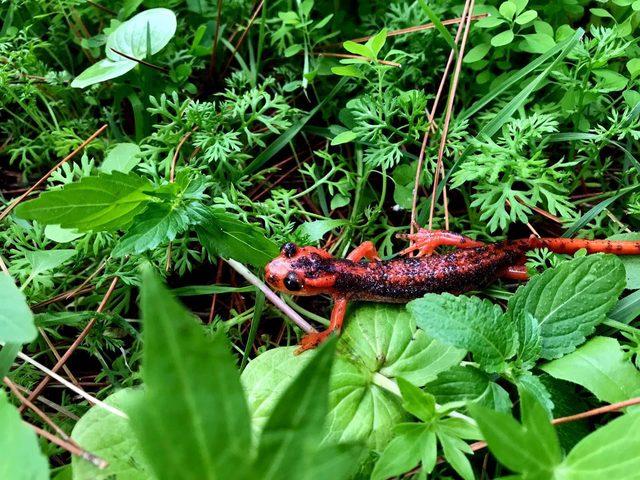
(470, 323)
(225, 235)
(459, 383)
(113, 439)
(193, 393)
(600, 366)
(569, 301)
(609, 452)
(530, 341)
(20, 455)
(105, 202)
(528, 382)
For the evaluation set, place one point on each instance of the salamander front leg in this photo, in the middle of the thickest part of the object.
(312, 340)
(426, 241)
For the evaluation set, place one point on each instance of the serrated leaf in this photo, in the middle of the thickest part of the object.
(16, 319)
(193, 393)
(459, 383)
(569, 301)
(601, 367)
(20, 455)
(225, 235)
(470, 323)
(526, 381)
(529, 340)
(103, 202)
(316, 229)
(609, 452)
(112, 439)
(378, 344)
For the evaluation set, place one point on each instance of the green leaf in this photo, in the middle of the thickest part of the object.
(526, 17)
(609, 452)
(378, 344)
(111, 438)
(433, 17)
(609, 81)
(454, 456)
(348, 71)
(315, 230)
(61, 235)
(417, 402)
(377, 42)
(16, 319)
(600, 12)
(103, 202)
(20, 455)
(503, 38)
(490, 22)
(477, 53)
(293, 50)
(193, 393)
(631, 262)
(344, 137)
(569, 301)
(123, 158)
(600, 366)
(470, 323)
(296, 421)
(508, 9)
(633, 67)
(530, 383)
(402, 454)
(530, 448)
(459, 383)
(144, 34)
(359, 49)
(529, 340)
(537, 43)
(42, 261)
(225, 235)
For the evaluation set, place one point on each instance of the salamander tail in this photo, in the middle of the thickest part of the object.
(572, 245)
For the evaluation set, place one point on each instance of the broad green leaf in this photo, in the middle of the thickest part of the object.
(379, 343)
(502, 39)
(348, 71)
(455, 457)
(529, 340)
(526, 381)
(477, 53)
(20, 455)
(225, 235)
(104, 70)
(315, 230)
(16, 319)
(294, 427)
(631, 262)
(633, 67)
(337, 462)
(600, 366)
(123, 158)
(609, 452)
(537, 43)
(344, 137)
(142, 35)
(417, 402)
(470, 323)
(192, 393)
(530, 448)
(600, 12)
(61, 235)
(526, 17)
(102, 202)
(358, 49)
(402, 454)
(609, 81)
(377, 42)
(569, 301)
(111, 438)
(508, 9)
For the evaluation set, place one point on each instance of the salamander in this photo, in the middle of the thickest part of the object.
(364, 276)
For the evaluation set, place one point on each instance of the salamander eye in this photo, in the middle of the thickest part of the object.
(289, 249)
(292, 282)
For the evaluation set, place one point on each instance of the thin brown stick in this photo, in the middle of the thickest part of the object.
(54, 406)
(73, 449)
(215, 295)
(54, 350)
(45, 418)
(84, 283)
(142, 62)
(68, 295)
(418, 28)
(579, 416)
(45, 381)
(347, 55)
(102, 7)
(242, 37)
(430, 117)
(212, 62)
(447, 122)
(13, 204)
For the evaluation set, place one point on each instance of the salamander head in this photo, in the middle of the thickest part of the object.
(300, 271)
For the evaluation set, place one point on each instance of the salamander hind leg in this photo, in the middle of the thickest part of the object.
(312, 340)
(426, 241)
